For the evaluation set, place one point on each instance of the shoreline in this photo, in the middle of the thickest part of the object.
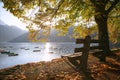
(59, 69)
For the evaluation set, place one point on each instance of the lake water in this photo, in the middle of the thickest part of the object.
(26, 52)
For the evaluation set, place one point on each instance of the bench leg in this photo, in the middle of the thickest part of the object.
(84, 61)
(102, 57)
(73, 61)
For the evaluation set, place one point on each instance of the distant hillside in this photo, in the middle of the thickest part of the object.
(61, 39)
(8, 33)
(21, 38)
(52, 38)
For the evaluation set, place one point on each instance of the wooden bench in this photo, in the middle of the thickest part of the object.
(74, 57)
(80, 57)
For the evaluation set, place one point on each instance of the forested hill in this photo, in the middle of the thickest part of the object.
(8, 33)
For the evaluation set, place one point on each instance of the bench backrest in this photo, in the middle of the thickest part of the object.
(86, 44)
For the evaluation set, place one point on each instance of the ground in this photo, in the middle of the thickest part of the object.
(61, 69)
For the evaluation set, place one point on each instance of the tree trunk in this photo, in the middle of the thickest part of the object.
(103, 35)
(101, 18)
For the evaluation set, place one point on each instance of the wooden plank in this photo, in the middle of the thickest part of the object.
(78, 50)
(78, 41)
(77, 53)
(65, 55)
(94, 41)
(72, 55)
(96, 51)
(95, 47)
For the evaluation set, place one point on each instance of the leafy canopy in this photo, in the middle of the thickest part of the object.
(42, 15)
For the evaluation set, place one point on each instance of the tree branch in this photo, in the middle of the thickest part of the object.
(74, 3)
(61, 2)
(112, 6)
(106, 1)
(93, 1)
(118, 16)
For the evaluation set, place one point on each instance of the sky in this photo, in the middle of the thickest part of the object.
(10, 19)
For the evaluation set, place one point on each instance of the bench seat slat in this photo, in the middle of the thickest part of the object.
(72, 55)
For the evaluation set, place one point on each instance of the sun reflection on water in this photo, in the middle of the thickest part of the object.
(47, 55)
(47, 47)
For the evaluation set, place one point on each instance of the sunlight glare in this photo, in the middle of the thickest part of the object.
(47, 56)
(32, 12)
(10, 20)
(47, 47)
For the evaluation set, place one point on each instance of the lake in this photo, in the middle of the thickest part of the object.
(34, 52)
